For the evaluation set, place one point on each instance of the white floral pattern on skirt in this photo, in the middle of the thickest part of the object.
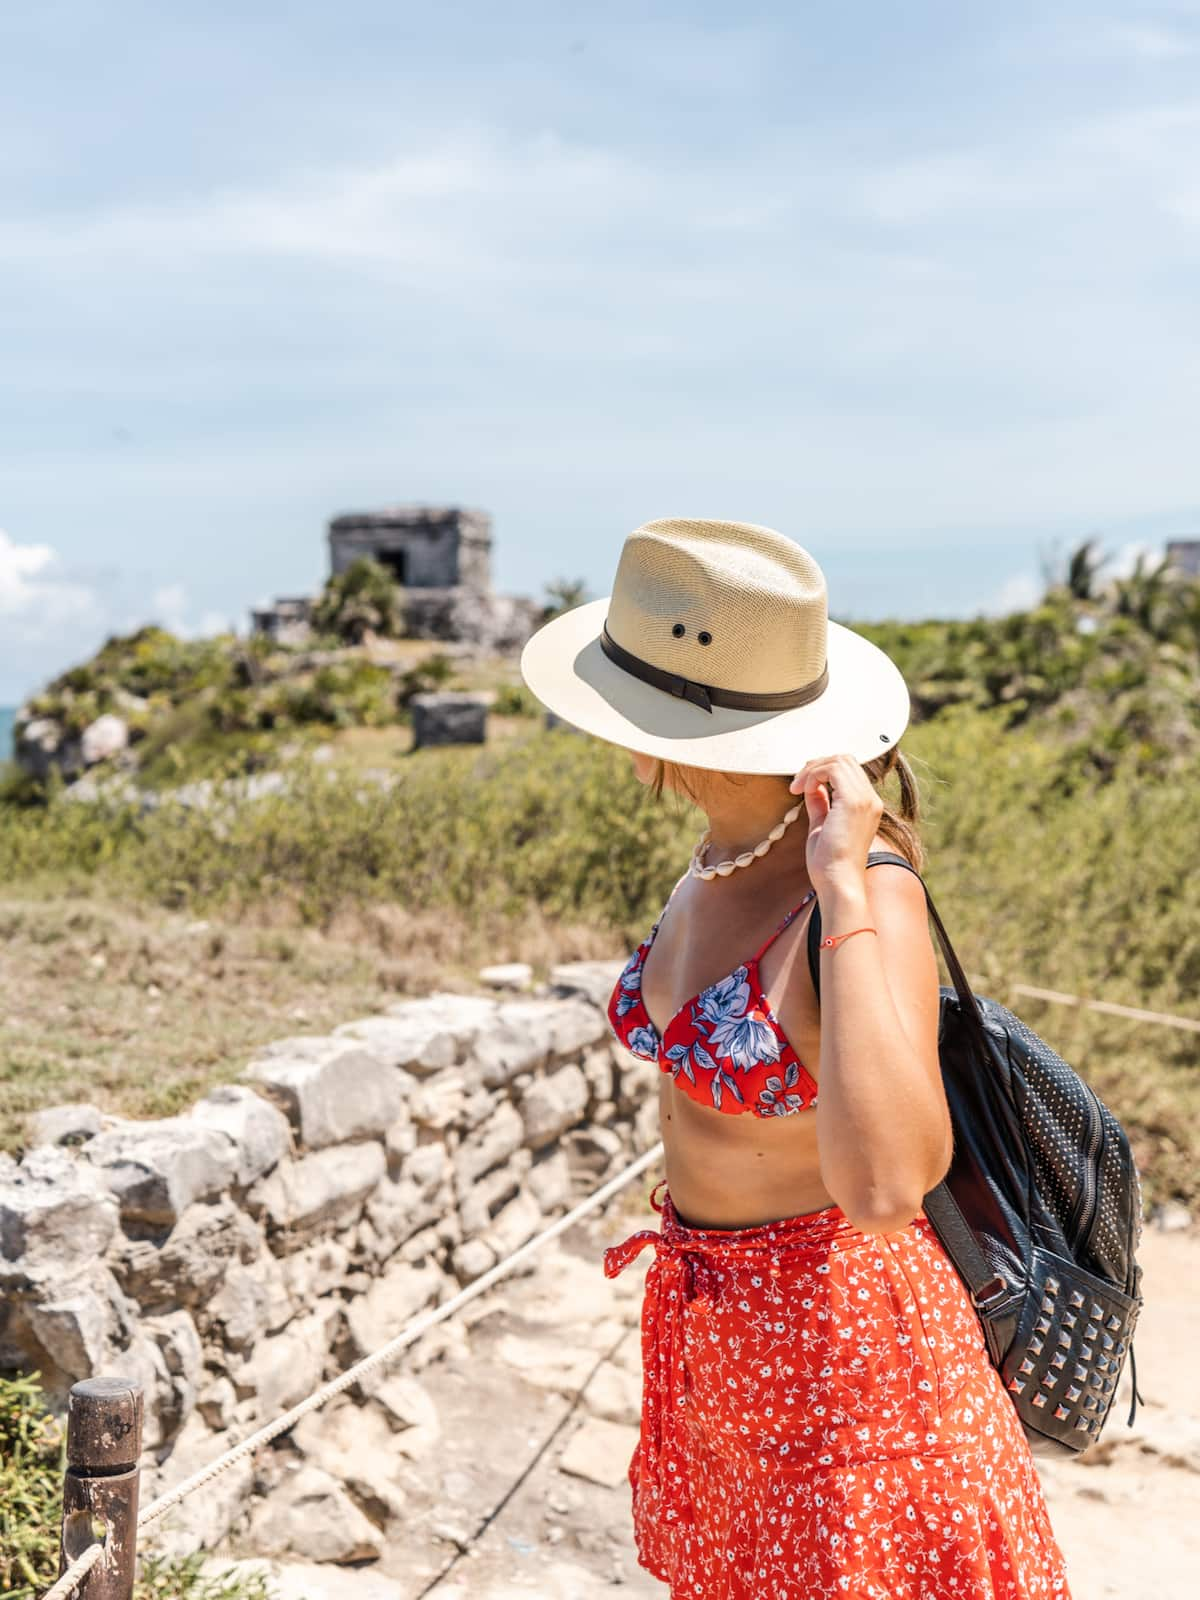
(821, 1419)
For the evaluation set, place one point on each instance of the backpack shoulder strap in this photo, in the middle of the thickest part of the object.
(957, 976)
(940, 1206)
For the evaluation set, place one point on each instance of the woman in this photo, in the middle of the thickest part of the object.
(820, 1415)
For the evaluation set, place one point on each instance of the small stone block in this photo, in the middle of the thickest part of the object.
(600, 1452)
(449, 718)
(507, 975)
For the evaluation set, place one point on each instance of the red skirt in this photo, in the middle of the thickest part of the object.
(820, 1418)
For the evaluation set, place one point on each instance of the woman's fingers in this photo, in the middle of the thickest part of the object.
(837, 774)
(825, 767)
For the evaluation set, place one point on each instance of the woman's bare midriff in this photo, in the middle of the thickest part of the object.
(735, 1171)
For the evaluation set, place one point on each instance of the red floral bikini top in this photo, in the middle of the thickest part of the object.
(725, 1040)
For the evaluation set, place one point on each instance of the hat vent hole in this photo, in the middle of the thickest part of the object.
(705, 637)
(679, 630)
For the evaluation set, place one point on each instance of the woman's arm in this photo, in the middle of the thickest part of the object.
(884, 1135)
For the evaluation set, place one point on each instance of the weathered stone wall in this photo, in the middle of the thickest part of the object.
(493, 622)
(234, 1257)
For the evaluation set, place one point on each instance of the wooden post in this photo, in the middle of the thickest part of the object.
(100, 1486)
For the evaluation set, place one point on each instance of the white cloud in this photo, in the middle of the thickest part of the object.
(1147, 41)
(34, 595)
(430, 211)
(170, 601)
(1125, 558)
(1018, 593)
(171, 608)
(50, 617)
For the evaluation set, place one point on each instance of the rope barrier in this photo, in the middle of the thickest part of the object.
(70, 1579)
(76, 1572)
(412, 1330)
(1135, 1013)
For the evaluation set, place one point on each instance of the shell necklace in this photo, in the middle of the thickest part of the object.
(722, 869)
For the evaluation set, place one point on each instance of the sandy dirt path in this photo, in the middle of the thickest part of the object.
(525, 1497)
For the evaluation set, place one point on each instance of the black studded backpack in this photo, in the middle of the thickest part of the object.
(1040, 1212)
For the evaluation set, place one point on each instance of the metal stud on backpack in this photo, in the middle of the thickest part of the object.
(1040, 1212)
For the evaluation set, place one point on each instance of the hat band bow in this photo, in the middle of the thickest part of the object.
(707, 695)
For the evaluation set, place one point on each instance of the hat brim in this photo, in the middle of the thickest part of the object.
(863, 711)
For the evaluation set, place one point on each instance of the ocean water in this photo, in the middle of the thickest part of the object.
(7, 713)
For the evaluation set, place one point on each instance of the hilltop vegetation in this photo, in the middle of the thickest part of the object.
(1058, 751)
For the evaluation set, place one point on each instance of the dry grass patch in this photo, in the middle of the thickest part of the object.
(142, 1010)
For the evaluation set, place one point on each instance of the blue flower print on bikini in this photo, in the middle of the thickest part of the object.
(775, 1100)
(643, 1042)
(631, 987)
(743, 1035)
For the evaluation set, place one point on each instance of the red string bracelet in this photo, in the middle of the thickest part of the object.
(833, 939)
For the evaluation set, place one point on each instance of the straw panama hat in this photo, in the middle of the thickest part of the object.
(715, 650)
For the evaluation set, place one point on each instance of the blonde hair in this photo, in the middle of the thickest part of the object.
(898, 824)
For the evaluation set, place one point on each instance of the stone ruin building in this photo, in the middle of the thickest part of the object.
(425, 547)
(442, 558)
(1184, 556)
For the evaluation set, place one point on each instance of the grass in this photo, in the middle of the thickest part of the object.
(332, 899)
(33, 1454)
(141, 1010)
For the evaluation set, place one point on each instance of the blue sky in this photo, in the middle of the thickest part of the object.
(917, 285)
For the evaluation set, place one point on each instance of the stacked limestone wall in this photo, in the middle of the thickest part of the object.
(232, 1258)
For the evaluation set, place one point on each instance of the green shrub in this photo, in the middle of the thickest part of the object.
(515, 700)
(33, 1458)
(338, 694)
(363, 599)
(435, 672)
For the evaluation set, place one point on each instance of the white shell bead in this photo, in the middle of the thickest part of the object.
(722, 869)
